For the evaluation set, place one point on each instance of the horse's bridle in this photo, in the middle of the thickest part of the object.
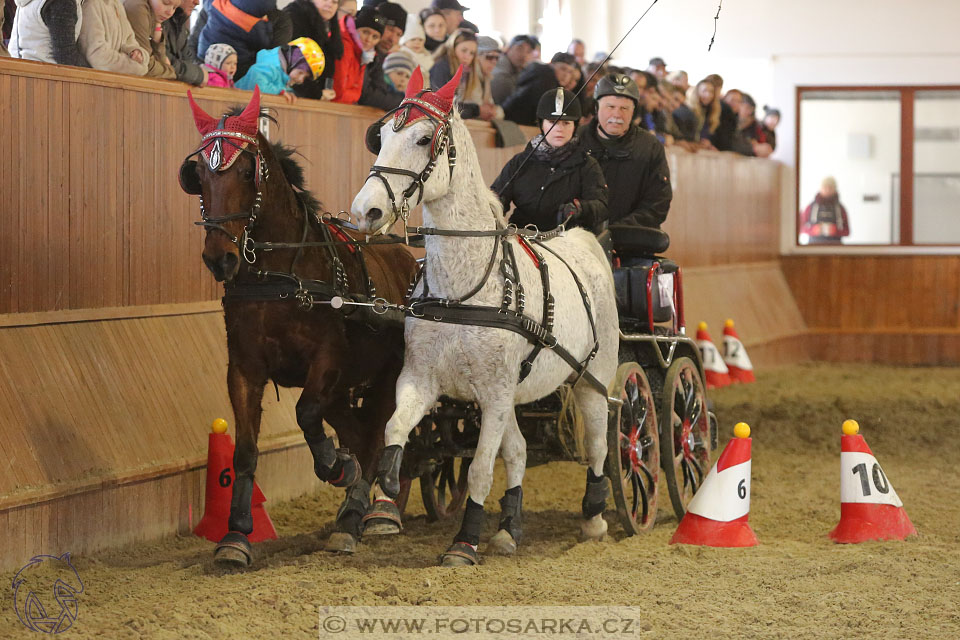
(190, 183)
(442, 139)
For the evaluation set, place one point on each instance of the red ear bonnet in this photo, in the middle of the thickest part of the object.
(222, 151)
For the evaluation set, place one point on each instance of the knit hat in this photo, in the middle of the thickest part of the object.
(414, 29)
(486, 44)
(217, 54)
(370, 18)
(399, 60)
(393, 14)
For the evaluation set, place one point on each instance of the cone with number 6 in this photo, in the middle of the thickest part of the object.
(735, 355)
(714, 368)
(717, 515)
(870, 509)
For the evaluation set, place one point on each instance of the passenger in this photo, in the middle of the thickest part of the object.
(146, 18)
(633, 161)
(558, 184)
(279, 69)
(361, 33)
(46, 30)
(107, 41)
(220, 64)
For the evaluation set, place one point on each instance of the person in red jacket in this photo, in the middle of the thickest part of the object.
(825, 221)
(361, 33)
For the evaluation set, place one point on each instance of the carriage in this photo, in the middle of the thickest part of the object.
(659, 415)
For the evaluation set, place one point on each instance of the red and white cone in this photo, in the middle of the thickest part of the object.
(713, 366)
(735, 355)
(717, 515)
(870, 509)
(220, 476)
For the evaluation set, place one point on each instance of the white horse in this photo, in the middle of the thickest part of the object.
(481, 363)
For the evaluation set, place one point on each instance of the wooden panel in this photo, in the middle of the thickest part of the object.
(876, 292)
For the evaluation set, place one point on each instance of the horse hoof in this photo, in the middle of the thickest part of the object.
(502, 543)
(381, 527)
(460, 554)
(340, 542)
(233, 551)
(594, 529)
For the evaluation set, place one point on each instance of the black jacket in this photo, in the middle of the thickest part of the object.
(307, 23)
(182, 56)
(521, 105)
(375, 92)
(638, 176)
(542, 188)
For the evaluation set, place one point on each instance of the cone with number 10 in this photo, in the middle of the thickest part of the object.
(870, 509)
(716, 371)
(717, 515)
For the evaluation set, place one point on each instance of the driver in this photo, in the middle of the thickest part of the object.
(633, 160)
(558, 184)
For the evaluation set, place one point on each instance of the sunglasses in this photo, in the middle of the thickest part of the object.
(492, 56)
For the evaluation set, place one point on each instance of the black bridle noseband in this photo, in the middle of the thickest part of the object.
(441, 140)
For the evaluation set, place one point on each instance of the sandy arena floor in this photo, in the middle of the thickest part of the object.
(796, 584)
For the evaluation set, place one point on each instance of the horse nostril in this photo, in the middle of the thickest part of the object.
(374, 214)
(214, 267)
(229, 263)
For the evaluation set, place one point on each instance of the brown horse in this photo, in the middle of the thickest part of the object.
(278, 327)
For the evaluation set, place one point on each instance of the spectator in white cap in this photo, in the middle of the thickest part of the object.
(414, 42)
(397, 69)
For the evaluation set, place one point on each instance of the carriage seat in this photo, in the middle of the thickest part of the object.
(631, 241)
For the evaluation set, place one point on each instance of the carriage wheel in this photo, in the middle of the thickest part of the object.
(684, 432)
(443, 487)
(633, 452)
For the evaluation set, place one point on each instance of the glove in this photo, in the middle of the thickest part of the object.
(569, 214)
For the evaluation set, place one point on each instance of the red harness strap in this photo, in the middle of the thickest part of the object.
(526, 247)
(340, 235)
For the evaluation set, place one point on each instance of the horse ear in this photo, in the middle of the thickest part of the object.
(251, 115)
(447, 91)
(205, 123)
(415, 85)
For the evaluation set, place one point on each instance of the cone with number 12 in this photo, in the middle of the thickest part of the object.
(735, 355)
(870, 509)
(717, 515)
(716, 371)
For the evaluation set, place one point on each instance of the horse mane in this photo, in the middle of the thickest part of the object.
(468, 164)
(292, 170)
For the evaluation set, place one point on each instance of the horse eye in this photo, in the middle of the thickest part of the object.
(424, 141)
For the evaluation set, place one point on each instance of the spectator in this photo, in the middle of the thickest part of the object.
(46, 30)
(284, 67)
(435, 26)
(347, 7)
(199, 21)
(699, 118)
(650, 117)
(317, 20)
(107, 40)
(397, 69)
(176, 31)
(479, 103)
(460, 49)
(518, 55)
(146, 18)
(537, 79)
(558, 184)
(375, 91)
(633, 162)
(221, 65)
(360, 37)
(751, 132)
(578, 50)
(452, 12)
(825, 220)
(414, 42)
(248, 26)
(671, 100)
(679, 79)
(771, 118)
(658, 68)
(725, 138)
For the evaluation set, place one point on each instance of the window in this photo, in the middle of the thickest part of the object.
(864, 140)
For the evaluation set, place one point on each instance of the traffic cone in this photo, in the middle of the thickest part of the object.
(735, 355)
(717, 515)
(713, 366)
(870, 509)
(216, 508)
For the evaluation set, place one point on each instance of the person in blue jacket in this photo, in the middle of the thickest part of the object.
(246, 25)
(280, 68)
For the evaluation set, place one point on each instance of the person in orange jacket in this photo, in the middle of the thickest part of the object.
(361, 33)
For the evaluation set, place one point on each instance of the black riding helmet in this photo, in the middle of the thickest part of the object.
(617, 84)
(558, 104)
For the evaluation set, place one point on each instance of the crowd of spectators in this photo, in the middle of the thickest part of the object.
(339, 51)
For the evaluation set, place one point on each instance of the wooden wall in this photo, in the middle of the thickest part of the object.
(112, 351)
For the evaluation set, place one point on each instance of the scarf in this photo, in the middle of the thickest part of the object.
(553, 155)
